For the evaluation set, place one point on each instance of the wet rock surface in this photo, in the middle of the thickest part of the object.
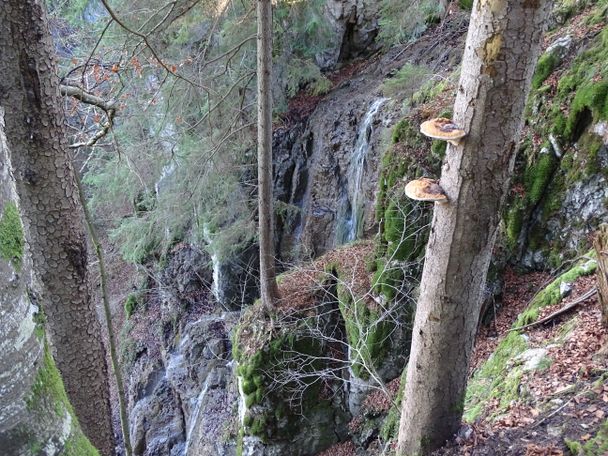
(182, 396)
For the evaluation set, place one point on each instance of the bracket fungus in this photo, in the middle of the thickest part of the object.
(444, 129)
(425, 189)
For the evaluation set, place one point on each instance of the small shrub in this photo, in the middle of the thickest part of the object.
(131, 305)
(402, 21)
(405, 81)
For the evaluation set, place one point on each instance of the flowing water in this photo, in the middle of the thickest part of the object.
(354, 199)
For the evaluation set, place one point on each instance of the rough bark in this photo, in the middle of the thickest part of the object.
(499, 59)
(601, 247)
(268, 284)
(31, 414)
(52, 215)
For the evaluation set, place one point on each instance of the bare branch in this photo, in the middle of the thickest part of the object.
(85, 97)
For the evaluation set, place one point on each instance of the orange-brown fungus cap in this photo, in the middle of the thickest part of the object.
(425, 189)
(442, 128)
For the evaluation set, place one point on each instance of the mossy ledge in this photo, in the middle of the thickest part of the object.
(276, 410)
(498, 377)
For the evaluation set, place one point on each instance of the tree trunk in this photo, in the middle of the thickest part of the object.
(499, 59)
(32, 412)
(52, 215)
(268, 284)
(601, 247)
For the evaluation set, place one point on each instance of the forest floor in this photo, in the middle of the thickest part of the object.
(559, 408)
(562, 408)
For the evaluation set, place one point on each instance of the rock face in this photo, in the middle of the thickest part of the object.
(183, 394)
(582, 208)
(181, 391)
(184, 404)
(320, 177)
(355, 23)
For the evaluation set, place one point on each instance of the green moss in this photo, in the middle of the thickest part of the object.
(365, 331)
(545, 66)
(239, 442)
(466, 4)
(591, 97)
(402, 237)
(249, 386)
(79, 445)
(269, 413)
(573, 446)
(538, 176)
(48, 393)
(39, 321)
(596, 446)
(131, 305)
(598, 16)
(551, 294)
(390, 425)
(438, 149)
(495, 378)
(48, 389)
(402, 131)
(12, 241)
(514, 222)
(589, 148)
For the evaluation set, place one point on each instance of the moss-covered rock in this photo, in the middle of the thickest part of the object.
(559, 152)
(285, 397)
(545, 66)
(47, 397)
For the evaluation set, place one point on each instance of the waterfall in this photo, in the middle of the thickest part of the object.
(354, 199)
(215, 263)
(194, 419)
(166, 172)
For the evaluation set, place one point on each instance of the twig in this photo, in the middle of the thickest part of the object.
(107, 106)
(554, 412)
(152, 50)
(559, 312)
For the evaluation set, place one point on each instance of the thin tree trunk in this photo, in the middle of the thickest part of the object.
(52, 215)
(268, 284)
(601, 247)
(499, 59)
(120, 386)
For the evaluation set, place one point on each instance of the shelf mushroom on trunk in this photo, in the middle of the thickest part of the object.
(444, 129)
(425, 189)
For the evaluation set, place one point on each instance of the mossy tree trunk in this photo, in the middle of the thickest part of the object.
(52, 215)
(601, 247)
(499, 59)
(268, 283)
(33, 411)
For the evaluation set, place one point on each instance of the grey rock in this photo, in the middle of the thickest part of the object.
(561, 46)
(565, 288)
(532, 358)
(601, 129)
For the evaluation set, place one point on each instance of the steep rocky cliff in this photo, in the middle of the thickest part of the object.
(207, 381)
